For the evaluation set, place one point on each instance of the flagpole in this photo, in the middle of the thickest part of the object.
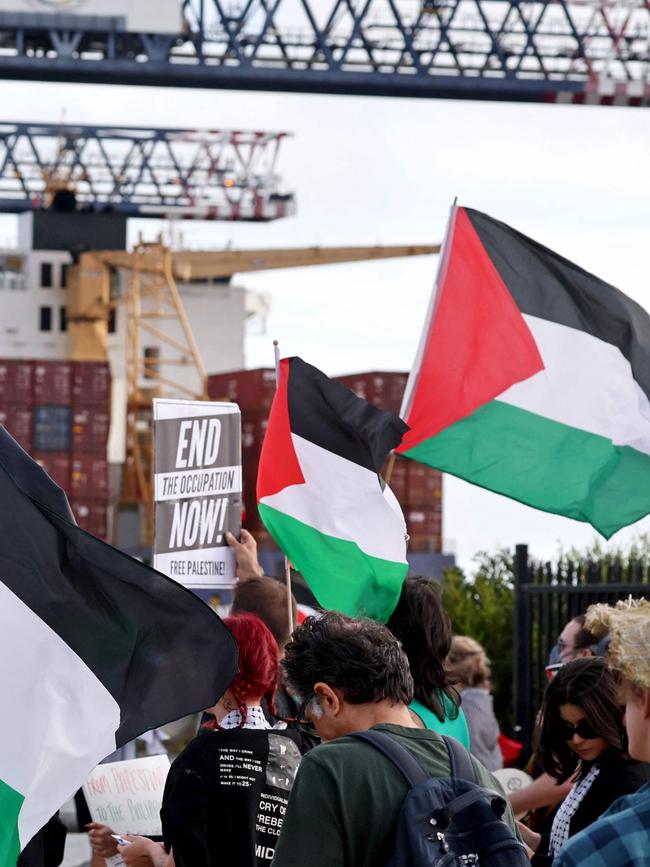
(389, 469)
(442, 269)
(287, 565)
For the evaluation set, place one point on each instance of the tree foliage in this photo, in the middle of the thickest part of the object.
(482, 606)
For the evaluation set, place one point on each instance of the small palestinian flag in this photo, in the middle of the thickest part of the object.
(95, 649)
(321, 497)
(532, 379)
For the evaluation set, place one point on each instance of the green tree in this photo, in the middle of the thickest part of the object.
(482, 606)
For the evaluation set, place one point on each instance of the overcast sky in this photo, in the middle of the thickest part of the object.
(369, 171)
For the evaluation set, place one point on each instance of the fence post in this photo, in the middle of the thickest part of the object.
(521, 651)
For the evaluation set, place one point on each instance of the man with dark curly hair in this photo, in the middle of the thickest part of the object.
(352, 675)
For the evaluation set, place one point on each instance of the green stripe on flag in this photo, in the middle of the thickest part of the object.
(544, 464)
(10, 804)
(341, 576)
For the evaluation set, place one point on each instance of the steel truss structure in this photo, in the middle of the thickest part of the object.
(206, 174)
(578, 51)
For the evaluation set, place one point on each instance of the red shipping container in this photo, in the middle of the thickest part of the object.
(251, 389)
(396, 386)
(253, 428)
(92, 516)
(18, 420)
(383, 389)
(90, 430)
(424, 521)
(358, 383)
(89, 477)
(424, 485)
(91, 383)
(57, 466)
(16, 381)
(53, 382)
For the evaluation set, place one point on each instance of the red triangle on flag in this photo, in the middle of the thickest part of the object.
(478, 343)
(279, 466)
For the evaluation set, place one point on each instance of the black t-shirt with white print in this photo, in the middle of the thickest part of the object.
(226, 796)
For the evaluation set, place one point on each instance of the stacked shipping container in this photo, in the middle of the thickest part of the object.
(418, 488)
(59, 412)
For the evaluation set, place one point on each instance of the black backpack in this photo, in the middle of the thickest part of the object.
(448, 821)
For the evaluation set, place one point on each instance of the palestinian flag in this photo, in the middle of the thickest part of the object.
(532, 379)
(321, 497)
(95, 648)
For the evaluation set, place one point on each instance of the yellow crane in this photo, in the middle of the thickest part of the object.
(150, 294)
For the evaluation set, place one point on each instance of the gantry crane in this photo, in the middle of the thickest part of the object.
(582, 52)
(207, 174)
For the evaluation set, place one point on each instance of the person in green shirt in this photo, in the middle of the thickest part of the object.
(352, 675)
(424, 630)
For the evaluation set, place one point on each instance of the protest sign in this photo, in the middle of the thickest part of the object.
(197, 490)
(127, 795)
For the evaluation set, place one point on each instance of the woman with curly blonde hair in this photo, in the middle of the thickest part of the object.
(468, 665)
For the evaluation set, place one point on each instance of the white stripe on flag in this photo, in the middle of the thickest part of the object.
(586, 384)
(344, 500)
(57, 720)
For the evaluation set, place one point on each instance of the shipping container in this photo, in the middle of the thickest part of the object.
(52, 428)
(17, 419)
(91, 384)
(89, 477)
(424, 485)
(52, 382)
(253, 428)
(90, 430)
(383, 389)
(251, 389)
(16, 381)
(56, 465)
(92, 516)
(423, 521)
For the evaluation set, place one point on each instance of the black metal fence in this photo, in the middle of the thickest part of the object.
(548, 596)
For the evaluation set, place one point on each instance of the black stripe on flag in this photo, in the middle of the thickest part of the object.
(158, 649)
(331, 416)
(546, 285)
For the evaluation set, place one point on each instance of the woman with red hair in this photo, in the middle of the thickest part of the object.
(227, 792)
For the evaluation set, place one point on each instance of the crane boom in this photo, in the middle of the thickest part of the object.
(189, 265)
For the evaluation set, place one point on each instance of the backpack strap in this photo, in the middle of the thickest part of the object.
(462, 766)
(403, 760)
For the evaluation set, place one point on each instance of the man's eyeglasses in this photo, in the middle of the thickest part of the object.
(583, 729)
(301, 722)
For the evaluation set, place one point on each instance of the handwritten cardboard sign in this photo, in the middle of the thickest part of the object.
(127, 795)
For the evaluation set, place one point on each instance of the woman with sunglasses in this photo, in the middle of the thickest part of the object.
(581, 738)
(226, 793)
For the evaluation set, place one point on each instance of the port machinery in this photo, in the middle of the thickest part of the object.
(566, 51)
(148, 172)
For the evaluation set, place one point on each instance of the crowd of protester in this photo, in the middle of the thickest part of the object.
(278, 772)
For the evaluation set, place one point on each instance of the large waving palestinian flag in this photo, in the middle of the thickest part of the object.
(532, 379)
(321, 497)
(95, 648)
